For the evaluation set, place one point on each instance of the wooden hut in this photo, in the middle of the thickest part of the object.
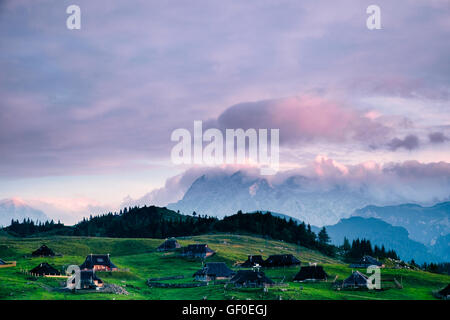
(98, 262)
(251, 279)
(169, 244)
(44, 269)
(311, 273)
(366, 262)
(444, 293)
(213, 271)
(357, 280)
(43, 251)
(197, 251)
(252, 261)
(88, 280)
(7, 264)
(281, 260)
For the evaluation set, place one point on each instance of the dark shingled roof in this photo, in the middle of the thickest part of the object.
(45, 269)
(445, 292)
(252, 261)
(97, 259)
(169, 244)
(197, 249)
(311, 273)
(365, 262)
(215, 269)
(281, 260)
(356, 279)
(43, 251)
(250, 277)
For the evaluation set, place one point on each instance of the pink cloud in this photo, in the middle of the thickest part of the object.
(69, 210)
(306, 118)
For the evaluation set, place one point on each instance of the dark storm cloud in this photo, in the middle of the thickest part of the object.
(437, 137)
(410, 142)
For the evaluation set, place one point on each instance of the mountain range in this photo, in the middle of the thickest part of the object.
(380, 233)
(424, 224)
(298, 196)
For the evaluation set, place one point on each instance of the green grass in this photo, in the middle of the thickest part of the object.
(143, 262)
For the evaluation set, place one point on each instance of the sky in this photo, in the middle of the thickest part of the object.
(86, 115)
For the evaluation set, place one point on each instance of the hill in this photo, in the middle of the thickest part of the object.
(155, 222)
(143, 261)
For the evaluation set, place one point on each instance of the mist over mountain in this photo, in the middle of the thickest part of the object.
(17, 209)
(320, 195)
(424, 224)
(297, 196)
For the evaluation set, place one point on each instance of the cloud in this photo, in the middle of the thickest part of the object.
(69, 210)
(410, 142)
(305, 118)
(437, 137)
(172, 191)
(176, 186)
(388, 183)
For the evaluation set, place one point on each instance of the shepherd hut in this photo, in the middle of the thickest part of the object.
(311, 273)
(251, 279)
(281, 260)
(43, 251)
(445, 293)
(197, 251)
(44, 269)
(169, 244)
(213, 271)
(252, 261)
(357, 280)
(7, 264)
(88, 280)
(366, 262)
(98, 262)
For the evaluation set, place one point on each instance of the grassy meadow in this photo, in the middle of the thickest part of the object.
(140, 257)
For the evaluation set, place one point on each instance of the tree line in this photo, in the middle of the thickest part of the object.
(363, 247)
(156, 222)
(28, 227)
